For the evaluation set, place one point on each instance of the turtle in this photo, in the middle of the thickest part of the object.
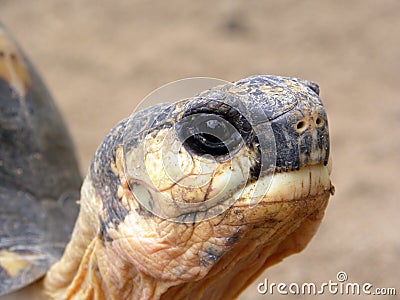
(190, 199)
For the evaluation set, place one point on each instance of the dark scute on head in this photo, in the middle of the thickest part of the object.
(266, 104)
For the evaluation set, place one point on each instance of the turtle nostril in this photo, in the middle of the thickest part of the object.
(319, 121)
(300, 126)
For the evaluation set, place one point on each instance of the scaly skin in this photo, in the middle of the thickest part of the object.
(121, 250)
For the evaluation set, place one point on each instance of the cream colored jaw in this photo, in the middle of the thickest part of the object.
(287, 186)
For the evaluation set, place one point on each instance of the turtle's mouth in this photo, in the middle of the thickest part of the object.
(308, 182)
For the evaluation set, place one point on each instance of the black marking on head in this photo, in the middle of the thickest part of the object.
(105, 182)
(154, 131)
(287, 150)
(148, 121)
(233, 239)
(103, 232)
(211, 256)
(4, 274)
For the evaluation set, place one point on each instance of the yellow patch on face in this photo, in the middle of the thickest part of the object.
(172, 182)
(12, 262)
(12, 66)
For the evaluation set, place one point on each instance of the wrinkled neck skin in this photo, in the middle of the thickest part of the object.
(146, 257)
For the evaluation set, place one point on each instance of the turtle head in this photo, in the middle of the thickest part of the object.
(198, 196)
(200, 154)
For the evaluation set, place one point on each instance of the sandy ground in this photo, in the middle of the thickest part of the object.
(100, 58)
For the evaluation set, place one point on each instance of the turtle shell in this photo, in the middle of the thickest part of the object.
(39, 174)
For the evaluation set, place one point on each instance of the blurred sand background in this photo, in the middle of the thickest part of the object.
(100, 58)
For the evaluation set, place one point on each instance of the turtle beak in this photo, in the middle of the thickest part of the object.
(302, 137)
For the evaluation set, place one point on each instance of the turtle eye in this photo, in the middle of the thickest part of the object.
(208, 134)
